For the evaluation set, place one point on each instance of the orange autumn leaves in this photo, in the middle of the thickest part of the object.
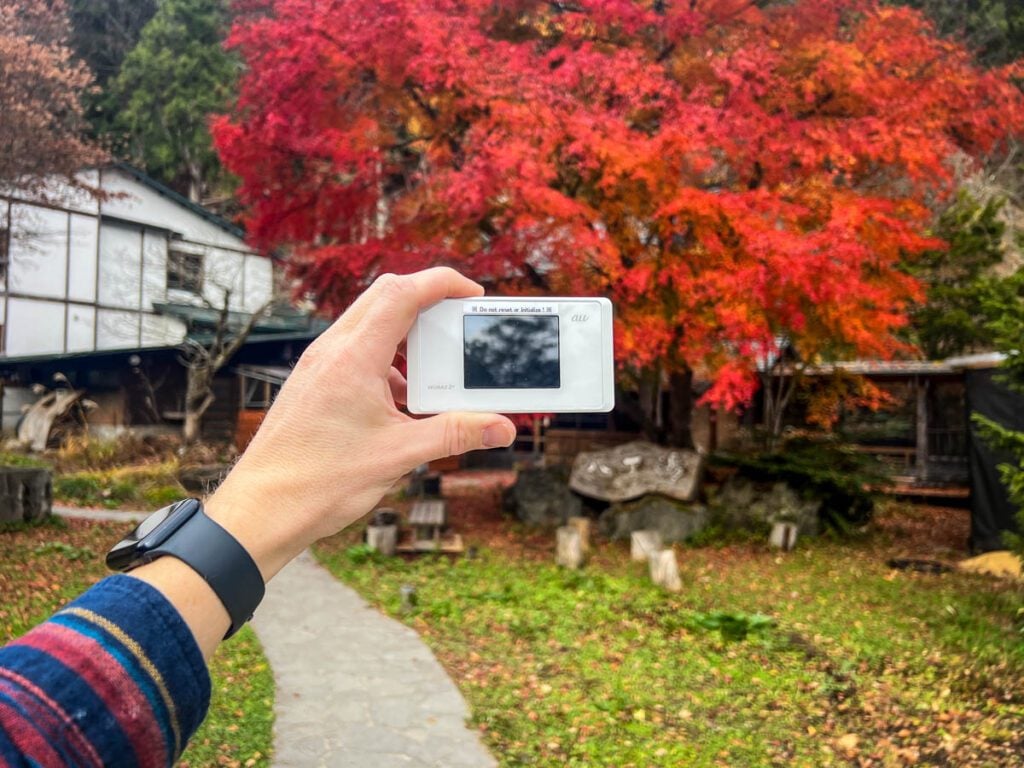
(734, 177)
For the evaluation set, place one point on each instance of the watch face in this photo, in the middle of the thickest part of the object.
(150, 534)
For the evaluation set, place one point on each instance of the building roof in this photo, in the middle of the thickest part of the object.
(10, 366)
(281, 319)
(911, 367)
(170, 194)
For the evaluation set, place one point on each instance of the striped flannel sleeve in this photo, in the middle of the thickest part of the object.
(113, 679)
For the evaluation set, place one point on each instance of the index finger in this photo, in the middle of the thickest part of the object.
(391, 304)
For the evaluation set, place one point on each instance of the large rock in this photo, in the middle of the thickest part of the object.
(674, 521)
(743, 504)
(635, 469)
(542, 497)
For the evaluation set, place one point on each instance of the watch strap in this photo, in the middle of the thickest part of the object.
(225, 564)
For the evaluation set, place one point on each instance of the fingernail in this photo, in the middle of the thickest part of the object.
(497, 436)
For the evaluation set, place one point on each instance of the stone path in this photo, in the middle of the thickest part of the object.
(355, 688)
(104, 515)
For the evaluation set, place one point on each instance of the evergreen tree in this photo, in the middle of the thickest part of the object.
(994, 29)
(169, 85)
(952, 321)
(104, 31)
(102, 34)
(1005, 305)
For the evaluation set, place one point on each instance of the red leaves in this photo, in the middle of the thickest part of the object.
(728, 175)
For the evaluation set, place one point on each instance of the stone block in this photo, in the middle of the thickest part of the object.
(673, 520)
(26, 494)
(541, 496)
(382, 538)
(568, 547)
(783, 536)
(583, 525)
(642, 544)
(635, 469)
(665, 570)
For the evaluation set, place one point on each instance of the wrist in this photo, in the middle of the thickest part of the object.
(262, 524)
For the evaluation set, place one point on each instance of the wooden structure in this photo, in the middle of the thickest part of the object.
(428, 518)
(922, 439)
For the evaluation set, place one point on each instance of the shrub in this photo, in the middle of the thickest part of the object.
(823, 470)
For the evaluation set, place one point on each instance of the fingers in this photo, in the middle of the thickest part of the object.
(398, 386)
(451, 434)
(388, 308)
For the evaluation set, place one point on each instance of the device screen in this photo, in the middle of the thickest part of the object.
(511, 352)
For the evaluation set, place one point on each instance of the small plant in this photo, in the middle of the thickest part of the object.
(15, 459)
(363, 553)
(718, 535)
(69, 551)
(733, 626)
(161, 496)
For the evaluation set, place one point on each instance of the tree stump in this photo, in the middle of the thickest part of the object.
(665, 570)
(582, 524)
(783, 536)
(568, 547)
(26, 494)
(642, 544)
(382, 538)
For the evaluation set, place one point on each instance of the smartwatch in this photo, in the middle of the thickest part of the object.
(184, 531)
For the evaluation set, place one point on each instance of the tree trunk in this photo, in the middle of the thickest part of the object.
(193, 423)
(198, 398)
(649, 394)
(680, 414)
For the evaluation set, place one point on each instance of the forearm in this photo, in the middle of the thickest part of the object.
(114, 678)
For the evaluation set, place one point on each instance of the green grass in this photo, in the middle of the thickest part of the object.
(89, 473)
(42, 567)
(144, 487)
(599, 668)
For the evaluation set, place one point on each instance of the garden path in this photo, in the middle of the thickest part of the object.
(353, 687)
(103, 515)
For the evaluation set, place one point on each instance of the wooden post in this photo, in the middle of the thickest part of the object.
(642, 544)
(921, 452)
(665, 570)
(568, 547)
(582, 524)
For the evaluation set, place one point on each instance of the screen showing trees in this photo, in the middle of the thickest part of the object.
(511, 352)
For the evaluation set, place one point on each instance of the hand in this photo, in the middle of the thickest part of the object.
(334, 441)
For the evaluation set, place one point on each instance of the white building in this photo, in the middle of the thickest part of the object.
(87, 275)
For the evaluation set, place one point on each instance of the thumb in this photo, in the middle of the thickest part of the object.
(450, 434)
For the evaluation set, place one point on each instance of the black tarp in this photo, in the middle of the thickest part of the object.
(991, 510)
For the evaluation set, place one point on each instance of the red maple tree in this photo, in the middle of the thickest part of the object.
(738, 177)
